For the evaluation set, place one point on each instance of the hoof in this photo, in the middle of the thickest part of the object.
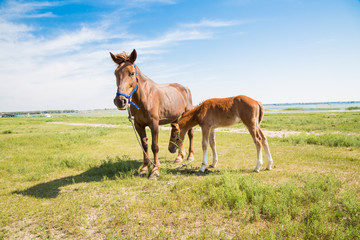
(202, 168)
(178, 160)
(143, 173)
(144, 170)
(213, 165)
(270, 166)
(203, 173)
(154, 174)
(256, 170)
(190, 158)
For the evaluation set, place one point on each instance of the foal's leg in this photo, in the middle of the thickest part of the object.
(267, 150)
(154, 127)
(257, 140)
(191, 142)
(213, 147)
(146, 163)
(205, 141)
(181, 155)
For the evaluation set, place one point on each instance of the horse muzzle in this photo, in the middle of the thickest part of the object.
(172, 148)
(120, 103)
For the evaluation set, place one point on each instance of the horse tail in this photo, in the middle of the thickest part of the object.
(261, 112)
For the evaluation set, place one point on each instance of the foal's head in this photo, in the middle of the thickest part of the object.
(175, 140)
(125, 75)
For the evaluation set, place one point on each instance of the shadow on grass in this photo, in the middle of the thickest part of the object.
(194, 171)
(191, 171)
(110, 169)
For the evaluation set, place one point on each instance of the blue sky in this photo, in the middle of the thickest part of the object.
(55, 54)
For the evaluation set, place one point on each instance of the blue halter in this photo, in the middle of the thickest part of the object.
(133, 91)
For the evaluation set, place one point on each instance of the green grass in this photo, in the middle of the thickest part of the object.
(77, 182)
(332, 140)
(353, 108)
(346, 122)
(309, 109)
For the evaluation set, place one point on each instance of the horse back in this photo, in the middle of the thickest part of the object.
(173, 100)
(221, 112)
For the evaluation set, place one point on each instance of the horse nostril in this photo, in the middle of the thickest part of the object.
(172, 149)
(123, 101)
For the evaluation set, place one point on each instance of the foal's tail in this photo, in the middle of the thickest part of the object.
(261, 112)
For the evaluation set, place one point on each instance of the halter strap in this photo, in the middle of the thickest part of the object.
(133, 91)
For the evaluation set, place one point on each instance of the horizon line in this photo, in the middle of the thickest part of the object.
(265, 104)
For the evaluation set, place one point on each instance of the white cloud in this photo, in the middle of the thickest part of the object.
(155, 1)
(12, 32)
(74, 40)
(142, 3)
(167, 39)
(15, 9)
(211, 23)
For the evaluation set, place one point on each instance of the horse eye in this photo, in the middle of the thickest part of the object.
(131, 74)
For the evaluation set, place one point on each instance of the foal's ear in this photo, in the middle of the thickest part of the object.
(173, 125)
(116, 59)
(133, 56)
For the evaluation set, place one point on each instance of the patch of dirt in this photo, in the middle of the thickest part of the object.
(268, 133)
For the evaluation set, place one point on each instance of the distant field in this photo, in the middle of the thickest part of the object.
(320, 107)
(80, 182)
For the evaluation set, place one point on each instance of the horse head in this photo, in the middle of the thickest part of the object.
(175, 140)
(126, 78)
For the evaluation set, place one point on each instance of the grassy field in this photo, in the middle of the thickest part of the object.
(80, 182)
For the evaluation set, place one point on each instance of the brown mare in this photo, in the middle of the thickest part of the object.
(221, 112)
(158, 104)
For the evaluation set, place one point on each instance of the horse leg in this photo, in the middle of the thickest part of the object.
(213, 147)
(180, 155)
(257, 140)
(267, 150)
(191, 131)
(205, 140)
(191, 146)
(142, 133)
(154, 127)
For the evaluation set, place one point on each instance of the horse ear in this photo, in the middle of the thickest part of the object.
(113, 57)
(116, 59)
(133, 56)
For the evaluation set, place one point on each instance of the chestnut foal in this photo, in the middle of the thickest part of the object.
(222, 112)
